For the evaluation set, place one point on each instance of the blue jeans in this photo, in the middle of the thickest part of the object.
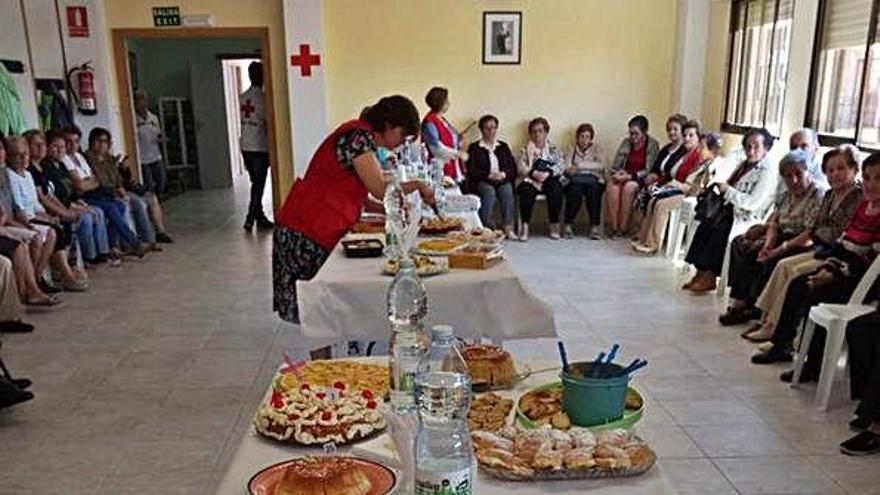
(139, 213)
(92, 234)
(117, 225)
(490, 194)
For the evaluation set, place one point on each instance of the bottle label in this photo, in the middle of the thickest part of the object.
(454, 483)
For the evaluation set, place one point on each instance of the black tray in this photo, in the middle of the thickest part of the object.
(364, 248)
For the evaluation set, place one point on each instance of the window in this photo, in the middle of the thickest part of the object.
(760, 41)
(845, 82)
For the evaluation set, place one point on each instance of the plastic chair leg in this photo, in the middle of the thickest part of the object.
(721, 288)
(833, 348)
(674, 224)
(800, 359)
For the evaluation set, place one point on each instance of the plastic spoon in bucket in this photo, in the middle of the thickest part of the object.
(564, 356)
(637, 364)
(613, 353)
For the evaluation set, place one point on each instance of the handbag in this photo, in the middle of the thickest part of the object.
(584, 179)
(711, 207)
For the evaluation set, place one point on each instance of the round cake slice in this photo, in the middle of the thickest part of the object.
(324, 476)
(489, 364)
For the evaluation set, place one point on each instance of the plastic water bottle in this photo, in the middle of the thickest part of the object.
(394, 217)
(444, 457)
(407, 308)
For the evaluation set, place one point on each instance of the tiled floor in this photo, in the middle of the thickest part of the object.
(145, 384)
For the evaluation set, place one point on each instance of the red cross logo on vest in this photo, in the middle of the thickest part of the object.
(247, 109)
(305, 60)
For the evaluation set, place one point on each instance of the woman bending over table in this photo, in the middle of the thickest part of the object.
(840, 165)
(326, 203)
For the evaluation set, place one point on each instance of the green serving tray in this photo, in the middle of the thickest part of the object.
(629, 419)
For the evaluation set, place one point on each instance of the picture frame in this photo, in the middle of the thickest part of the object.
(502, 38)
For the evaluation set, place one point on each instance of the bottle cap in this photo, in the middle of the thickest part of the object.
(443, 331)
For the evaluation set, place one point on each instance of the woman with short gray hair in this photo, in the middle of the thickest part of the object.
(754, 255)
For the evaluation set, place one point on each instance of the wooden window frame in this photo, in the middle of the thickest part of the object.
(726, 125)
(828, 139)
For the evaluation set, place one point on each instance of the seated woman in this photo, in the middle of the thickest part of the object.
(676, 179)
(60, 198)
(105, 167)
(840, 165)
(16, 244)
(441, 137)
(863, 344)
(586, 176)
(632, 162)
(24, 193)
(87, 186)
(40, 238)
(491, 173)
(748, 193)
(669, 154)
(834, 281)
(540, 168)
(148, 198)
(754, 255)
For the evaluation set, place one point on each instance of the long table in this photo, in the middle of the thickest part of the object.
(346, 301)
(255, 453)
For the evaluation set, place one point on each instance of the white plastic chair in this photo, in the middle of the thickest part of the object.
(682, 226)
(835, 318)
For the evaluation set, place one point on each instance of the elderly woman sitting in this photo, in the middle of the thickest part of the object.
(491, 172)
(840, 165)
(541, 166)
(675, 180)
(586, 175)
(747, 194)
(754, 255)
(632, 163)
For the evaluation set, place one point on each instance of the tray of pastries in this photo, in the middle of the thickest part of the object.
(543, 406)
(489, 412)
(546, 453)
(326, 475)
(363, 248)
(440, 225)
(478, 235)
(425, 266)
(312, 415)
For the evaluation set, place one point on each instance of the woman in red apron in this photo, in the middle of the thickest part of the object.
(326, 203)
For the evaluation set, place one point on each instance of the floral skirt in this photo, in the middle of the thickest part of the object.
(294, 257)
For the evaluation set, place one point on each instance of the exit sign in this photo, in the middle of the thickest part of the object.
(166, 16)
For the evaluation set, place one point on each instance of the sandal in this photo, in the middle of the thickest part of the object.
(48, 302)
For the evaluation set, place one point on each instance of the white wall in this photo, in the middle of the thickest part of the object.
(13, 46)
(45, 45)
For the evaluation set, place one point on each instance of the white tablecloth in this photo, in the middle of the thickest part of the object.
(255, 453)
(346, 301)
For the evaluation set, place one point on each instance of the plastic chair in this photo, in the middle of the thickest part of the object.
(682, 226)
(835, 318)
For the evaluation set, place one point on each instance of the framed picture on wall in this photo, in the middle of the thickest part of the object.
(502, 37)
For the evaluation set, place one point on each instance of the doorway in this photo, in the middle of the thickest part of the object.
(194, 77)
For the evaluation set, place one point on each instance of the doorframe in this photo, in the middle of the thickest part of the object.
(123, 77)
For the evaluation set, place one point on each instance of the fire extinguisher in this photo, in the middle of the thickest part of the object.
(81, 81)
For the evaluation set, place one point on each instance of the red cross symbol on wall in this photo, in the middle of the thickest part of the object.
(247, 109)
(305, 60)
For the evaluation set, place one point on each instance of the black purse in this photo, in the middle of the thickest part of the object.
(711, 207)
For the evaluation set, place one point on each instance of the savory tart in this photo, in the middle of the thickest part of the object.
(326, 372)
(440, 225)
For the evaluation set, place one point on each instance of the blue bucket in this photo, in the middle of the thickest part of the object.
(589, 398)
